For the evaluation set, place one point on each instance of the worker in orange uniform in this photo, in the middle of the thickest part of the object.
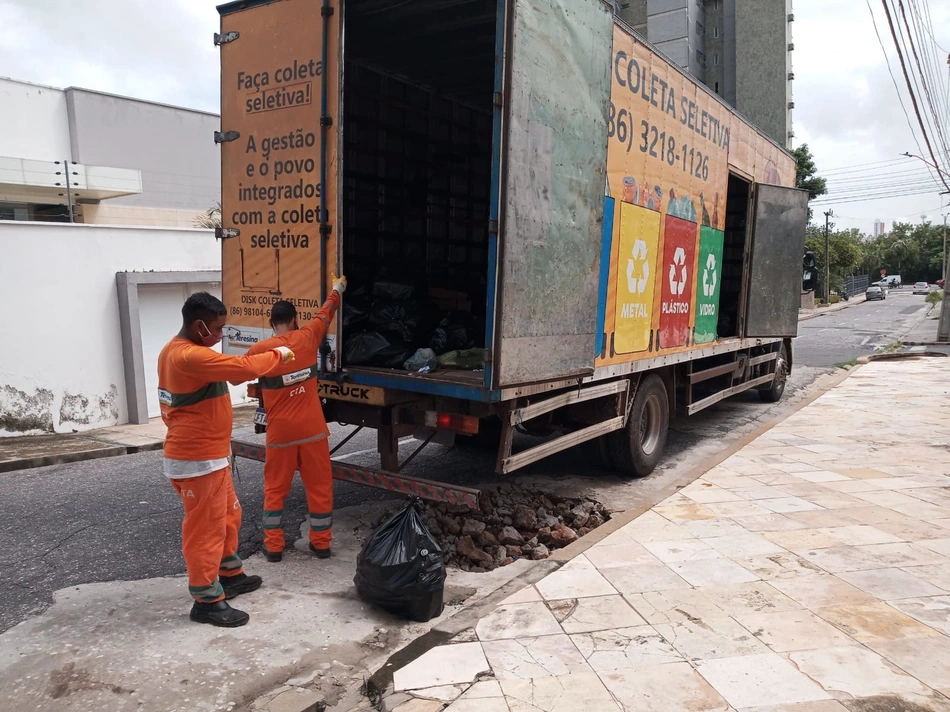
(196, 407)
(297, 433)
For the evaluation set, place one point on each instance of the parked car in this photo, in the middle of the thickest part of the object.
(875, 292)
(940, 283)
(921, 288)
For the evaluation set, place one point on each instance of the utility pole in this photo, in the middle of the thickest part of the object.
(944, 255)
(828, 215)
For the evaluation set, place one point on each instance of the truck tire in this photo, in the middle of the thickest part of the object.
(773, 393)
(636, 449)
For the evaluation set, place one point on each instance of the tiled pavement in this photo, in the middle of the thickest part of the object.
(809, 572)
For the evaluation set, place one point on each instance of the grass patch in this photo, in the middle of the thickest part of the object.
(891, 348)
(845, 365)
(935, 297)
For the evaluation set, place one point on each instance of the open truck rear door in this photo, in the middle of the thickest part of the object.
(279, 123)
(778, 243)
(554, 155)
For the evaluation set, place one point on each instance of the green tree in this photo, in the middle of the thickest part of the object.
(805, 177)
(846, 252)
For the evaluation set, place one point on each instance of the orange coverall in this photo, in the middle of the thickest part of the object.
(297, 433)
(196, 408)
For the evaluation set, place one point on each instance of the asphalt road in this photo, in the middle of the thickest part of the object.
(843, 335)
(118, 519)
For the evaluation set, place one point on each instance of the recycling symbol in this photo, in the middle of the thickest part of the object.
(679, 259)
(635, 284)
(709, 276)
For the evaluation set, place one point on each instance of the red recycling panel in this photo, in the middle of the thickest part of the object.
(676, 276)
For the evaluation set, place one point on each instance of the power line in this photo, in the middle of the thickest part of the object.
(869, 198)
(913, 98)
(861, 166)
(890, 71)
(924, 77)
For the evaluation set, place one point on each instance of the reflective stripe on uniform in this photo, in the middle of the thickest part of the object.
(272, 519)
(277, 382)
(182, 400)
(229, 563)
(320, 522)
(206, 594)
(315, 438)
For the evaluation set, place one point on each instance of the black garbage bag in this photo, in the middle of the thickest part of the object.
(363, 349)
(355, 311)
(456, 332)
(398, 318)
(392, 290)
(400, 567)
(393, 356)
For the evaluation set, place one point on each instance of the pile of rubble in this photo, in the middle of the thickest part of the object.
(511, 523)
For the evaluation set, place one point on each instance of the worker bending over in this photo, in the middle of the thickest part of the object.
(196, 407)
(297, 433)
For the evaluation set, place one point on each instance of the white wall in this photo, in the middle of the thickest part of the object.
(33, 122)
(61, 365)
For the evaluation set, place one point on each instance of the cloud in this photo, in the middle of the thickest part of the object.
(156, 51)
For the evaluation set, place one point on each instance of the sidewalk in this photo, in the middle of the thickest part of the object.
(810, 572)
(925, 333)
(27, 451)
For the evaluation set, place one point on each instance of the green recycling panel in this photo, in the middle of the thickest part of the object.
(708, 283)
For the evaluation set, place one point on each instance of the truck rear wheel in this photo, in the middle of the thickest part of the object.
(773, 393)
(637, 448)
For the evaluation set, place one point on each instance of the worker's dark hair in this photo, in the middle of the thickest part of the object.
(201, 306)
(283, 312)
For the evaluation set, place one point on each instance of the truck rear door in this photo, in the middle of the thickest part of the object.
(778, 243)
(279, 100)
(557, 89)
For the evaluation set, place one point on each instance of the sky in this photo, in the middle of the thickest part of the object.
(846, 106)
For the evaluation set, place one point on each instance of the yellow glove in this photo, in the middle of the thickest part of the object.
(285, 353)
(339, 283)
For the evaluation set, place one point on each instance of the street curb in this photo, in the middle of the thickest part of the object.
(900, 356)
(380, 684)
(830, 310)
(29, 463)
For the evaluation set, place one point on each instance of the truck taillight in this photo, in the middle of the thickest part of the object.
(465, 424)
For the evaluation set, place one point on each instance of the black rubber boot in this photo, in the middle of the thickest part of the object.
(320, 553)
(219, 614)
(273, 556)
(242, 583)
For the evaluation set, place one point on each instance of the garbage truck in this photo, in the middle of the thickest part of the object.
(547, 226)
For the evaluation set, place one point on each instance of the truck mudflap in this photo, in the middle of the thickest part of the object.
(390, 481)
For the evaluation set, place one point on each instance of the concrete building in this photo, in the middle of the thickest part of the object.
(133, 162)
(879, 228)
(741, 49)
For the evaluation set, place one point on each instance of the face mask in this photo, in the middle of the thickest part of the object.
(204, 333)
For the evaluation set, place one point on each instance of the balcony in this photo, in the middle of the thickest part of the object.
(23, 180)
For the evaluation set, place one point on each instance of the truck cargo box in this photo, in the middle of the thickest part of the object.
(532, 171)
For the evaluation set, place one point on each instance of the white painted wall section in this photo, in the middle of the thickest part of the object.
(61, 366)
(33, 122)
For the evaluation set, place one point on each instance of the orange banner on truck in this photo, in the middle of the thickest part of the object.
(272, 192)
(667, 166)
